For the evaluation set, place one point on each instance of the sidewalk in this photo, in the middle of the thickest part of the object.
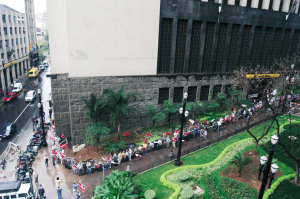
(138, 164)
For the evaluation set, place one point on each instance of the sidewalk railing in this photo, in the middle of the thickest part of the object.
(193, 149)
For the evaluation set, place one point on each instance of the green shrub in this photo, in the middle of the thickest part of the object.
(187, 192)
(183, 175)
(149, 194)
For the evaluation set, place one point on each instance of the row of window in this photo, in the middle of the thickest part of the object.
(14, 19)
(18, 53)
(192, 93)
(12, 42)
(11, 30)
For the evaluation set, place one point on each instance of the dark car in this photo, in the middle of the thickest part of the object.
(8, 130)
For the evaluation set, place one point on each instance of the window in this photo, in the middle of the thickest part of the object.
(204, 93)
(19, 30)
(18, 53)
(25, 51)
(6, 42)
(24, 40)
(17, 41)
(177, 95)
(22, 20)
(14, 19)
(12, 42)
(192, 91)
(9, 18)
(20, 40)
(10, 30)
(5, 30)
(217, 89)
(0, 43)
(13, 196)
(18, 20)
(22, 51)
(3, 19)
(2, 55)
(16, 30)
(163, 95)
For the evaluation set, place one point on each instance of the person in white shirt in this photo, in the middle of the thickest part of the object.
(205, 134)
(219, 125)
(129, 154)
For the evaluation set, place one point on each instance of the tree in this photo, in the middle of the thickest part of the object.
(236, 94)
(97, 134)
(221, 100)
(46, 37)
(117, 185)
(96, 107)
(118, 105)
(241, 161)
(170, 109)
(194, 108)
(155, 116)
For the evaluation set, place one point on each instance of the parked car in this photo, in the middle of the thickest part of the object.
(8, 130)
(30, 96)
(46, 64)
(48, 73)
(41, 67)
(17, 88)
(10, 96)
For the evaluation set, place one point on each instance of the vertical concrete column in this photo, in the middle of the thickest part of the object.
(285, 6)
(276, 5)
(265, 4)
(243, 3)
(205, 0)
(297, 7)
(231, 2)
(254, 3)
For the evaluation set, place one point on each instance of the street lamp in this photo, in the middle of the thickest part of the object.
(274, 167)
(4, 73)
(183, 114)
(40, 105)
(292, 66)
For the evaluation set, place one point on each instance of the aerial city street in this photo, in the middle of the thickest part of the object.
(149, 99)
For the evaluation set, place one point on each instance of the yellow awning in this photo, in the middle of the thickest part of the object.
(11, 63)
(251, 76)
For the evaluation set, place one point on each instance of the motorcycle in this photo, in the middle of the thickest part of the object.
(30, 158)
(3, 163)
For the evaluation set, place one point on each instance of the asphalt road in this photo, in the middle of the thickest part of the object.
(21, 112)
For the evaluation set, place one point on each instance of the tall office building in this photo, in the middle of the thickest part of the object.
(14, 48)
(160, 49)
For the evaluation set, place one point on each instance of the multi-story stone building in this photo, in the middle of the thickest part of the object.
(160, 49)
(14, 46)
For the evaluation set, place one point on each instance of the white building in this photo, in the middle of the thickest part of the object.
(14, 47)
(31, 24)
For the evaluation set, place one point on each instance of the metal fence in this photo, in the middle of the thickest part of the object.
(200, 146)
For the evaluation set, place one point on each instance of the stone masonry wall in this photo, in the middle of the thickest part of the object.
(70, 110)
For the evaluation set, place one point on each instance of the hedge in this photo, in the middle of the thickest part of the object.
(275, 185)
(176, 187)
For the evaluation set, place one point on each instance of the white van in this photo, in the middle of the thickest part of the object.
(14, 189)
(17, 88)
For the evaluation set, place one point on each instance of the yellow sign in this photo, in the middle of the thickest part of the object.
(251, 76)
(10, 63)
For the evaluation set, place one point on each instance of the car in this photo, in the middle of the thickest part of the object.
(48, 73)
(17, 88)
(46, 64)
(8, 130)
(41, 67)
(10, 96)
(30, 96)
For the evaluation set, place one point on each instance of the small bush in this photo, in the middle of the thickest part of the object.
(149, 194)
(183, 175)
(187, 192)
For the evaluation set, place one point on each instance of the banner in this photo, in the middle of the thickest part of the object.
(54, 152)
(82, 187)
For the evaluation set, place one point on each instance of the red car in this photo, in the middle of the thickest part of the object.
(10, 97)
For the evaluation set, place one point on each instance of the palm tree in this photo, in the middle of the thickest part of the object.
(118, 103)
(96, 107)
(117, 185)
(241, 161)
(170, 109)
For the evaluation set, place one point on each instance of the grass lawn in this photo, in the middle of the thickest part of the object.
(286, 190)
(151, 179)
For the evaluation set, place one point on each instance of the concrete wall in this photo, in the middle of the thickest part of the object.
(103, 38)
(70, 110)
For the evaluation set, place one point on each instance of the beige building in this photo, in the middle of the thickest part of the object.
(14, 47)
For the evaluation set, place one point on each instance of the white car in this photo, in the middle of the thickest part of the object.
(30, 96)
(48, 73)
(17, 88)
(41, 67)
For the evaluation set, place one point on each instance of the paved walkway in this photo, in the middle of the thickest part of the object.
(152, 159)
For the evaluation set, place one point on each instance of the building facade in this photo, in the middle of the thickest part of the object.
(159, 49)
(14, 46)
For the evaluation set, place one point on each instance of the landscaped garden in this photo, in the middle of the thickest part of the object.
(203, 169)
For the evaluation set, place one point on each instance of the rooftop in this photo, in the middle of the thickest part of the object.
(5, 7)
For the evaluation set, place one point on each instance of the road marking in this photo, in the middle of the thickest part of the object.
(22, 112)
(22, 91)
(2, 104)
